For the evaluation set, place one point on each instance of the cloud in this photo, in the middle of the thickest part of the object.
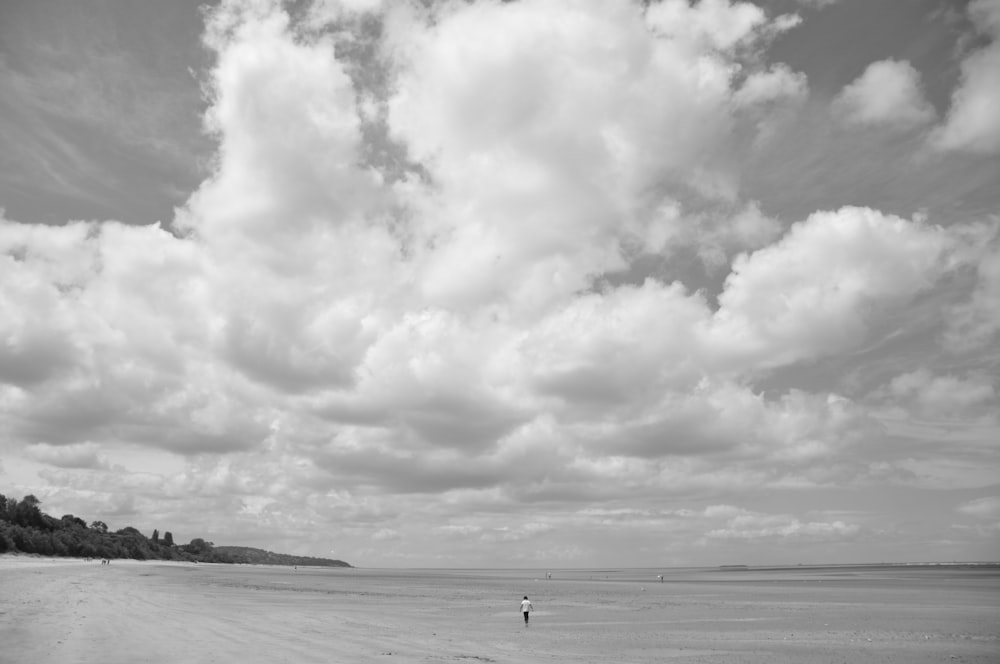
(536, 136)
(522, 532)
(817, 290)
(384, 534)
(973, 120)
(888, 93)
(948, 396)
(779, 83)
(986, 514)
(975, 322)
(983, 508)
(120, 368)
(771, 98)
(743, 524)
(78, 455)
(323, 12)
(719, 24)
(407, 306)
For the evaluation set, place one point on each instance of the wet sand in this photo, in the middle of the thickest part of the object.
(77, 612)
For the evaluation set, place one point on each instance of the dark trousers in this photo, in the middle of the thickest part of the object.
(525, 617)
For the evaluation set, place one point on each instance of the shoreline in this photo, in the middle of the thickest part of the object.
(16, 555)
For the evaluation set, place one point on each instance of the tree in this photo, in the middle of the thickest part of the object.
(198, 546)
(71, 521)
(156, 536)
(168, 538)
(99, 526)
(40, 542)
(28, 514)
(11, 509)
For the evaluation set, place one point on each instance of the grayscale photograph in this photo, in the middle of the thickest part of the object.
(499, 331)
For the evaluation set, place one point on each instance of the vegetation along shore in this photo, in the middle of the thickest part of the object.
(24, 528)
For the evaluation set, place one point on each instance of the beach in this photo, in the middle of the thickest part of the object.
(77, 612)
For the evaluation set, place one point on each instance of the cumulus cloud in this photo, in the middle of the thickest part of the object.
(743, 524)
(779, 83)
(326, 342)
(948, 396)
(719, 24)
(585, 139)
(326, 11)
(888, 93)
(816, 291)
(973, 120)
(78, 455)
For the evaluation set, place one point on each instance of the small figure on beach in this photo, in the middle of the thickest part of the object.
(526, 609)
(660, 577)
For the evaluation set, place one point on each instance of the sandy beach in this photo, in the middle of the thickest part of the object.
(77, 612)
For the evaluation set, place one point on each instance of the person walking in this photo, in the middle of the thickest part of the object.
(526, 609)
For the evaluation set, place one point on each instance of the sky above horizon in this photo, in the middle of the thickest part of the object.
(561, 283)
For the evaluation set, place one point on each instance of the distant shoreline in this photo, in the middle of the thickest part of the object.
(857, 565)
(12, 555)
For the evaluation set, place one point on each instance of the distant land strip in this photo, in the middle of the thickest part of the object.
(24, 528)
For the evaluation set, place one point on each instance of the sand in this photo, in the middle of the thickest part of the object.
(74, 611)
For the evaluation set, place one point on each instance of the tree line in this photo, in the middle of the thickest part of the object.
(24, 528)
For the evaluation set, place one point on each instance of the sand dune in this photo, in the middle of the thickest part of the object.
(77, 612)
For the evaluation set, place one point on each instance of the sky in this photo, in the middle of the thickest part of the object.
(535, 284)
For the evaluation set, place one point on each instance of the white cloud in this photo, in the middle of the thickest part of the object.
(816, 291)
(983, 508)
(383, 534)
(985, 512)
(336, 347)
(746, 525)
(322, 12)
(718, 24)
(770, 99)
(525, 531)
(888, 93)
(779, 83)
(547, 152)
(453, 530)
(973, 120)
(930, 395)
(76, 455)
(276, 98)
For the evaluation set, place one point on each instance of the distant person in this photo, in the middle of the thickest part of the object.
(526, 609)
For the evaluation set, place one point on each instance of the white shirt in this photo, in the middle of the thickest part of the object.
(525, 606)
